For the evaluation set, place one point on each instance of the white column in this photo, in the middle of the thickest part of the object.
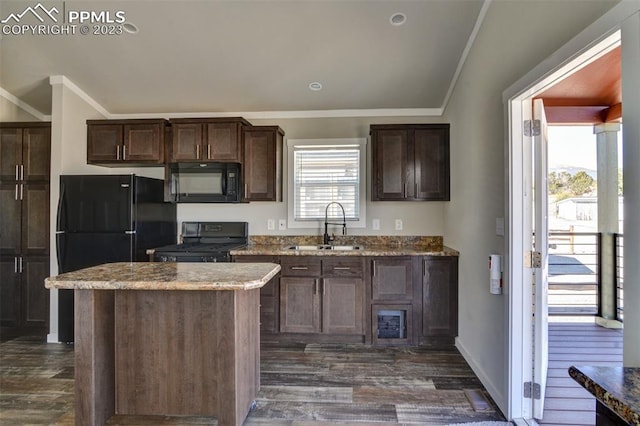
(607, 154)
(631, 173)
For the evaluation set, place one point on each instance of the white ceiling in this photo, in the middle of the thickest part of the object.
(228, 56)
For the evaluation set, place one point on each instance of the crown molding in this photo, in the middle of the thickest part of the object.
(62, 80)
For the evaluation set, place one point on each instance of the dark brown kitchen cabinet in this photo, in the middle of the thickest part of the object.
(299, 294)
(440, 297)
(410, 162)
(25, 151)
(262, 163)
(395, 301)
(322, 295)
(126, 142)
(207, 139)
(269, 296)
(391, 279)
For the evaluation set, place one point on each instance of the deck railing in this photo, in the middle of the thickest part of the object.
(619, 259)
(574, 273)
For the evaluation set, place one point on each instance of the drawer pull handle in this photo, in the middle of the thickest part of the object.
(299, 268)
(341, 268)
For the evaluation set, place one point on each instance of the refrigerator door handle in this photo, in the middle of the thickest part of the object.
(59, 224)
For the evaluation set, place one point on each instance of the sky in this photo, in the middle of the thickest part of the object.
(574, 146)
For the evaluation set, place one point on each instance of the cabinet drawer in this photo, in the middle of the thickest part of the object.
(342, 267)
(294, 266)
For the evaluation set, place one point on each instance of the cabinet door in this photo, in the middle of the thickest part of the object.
(262, 165)
(35, 297)
(143, 142)
(10, 219)
(269, 296)
(36, 154)
(342, 303)
(10, 153)
(389, 164)
(104, 143)
(223, 142)
(440, 296)
(187, 142)
(391, 279)
(35, 219)
(431, 148)
(9, 291)
(299, 305)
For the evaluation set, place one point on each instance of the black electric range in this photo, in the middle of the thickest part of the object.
(205, 242)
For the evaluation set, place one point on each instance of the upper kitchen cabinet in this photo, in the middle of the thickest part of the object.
(410, 162)
(25, 151)
(126, 142)
(207, 139)
(262, 163)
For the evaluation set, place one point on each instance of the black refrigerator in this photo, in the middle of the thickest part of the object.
(107, 218)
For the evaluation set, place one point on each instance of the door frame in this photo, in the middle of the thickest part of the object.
(569, 58)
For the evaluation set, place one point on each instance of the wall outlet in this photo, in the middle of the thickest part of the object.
(398, 224)
(375, 224)
(271, 224)
(282, 224)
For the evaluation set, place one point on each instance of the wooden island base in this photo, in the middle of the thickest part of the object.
(154, 352)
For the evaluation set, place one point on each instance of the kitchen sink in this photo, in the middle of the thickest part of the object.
(324, 247)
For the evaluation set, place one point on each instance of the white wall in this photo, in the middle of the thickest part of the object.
(9, 111)
(514, 37)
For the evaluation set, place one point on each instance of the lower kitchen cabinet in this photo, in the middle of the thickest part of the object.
(24, 301)
(322, 295)
(299, 305)
(269, 296)
(440, 297)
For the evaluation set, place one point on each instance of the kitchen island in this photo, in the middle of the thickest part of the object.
(617, 392)
(167, 339)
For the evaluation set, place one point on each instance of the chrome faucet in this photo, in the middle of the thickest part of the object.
(326, 239)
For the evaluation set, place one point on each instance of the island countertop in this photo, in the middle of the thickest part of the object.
(616, 388)
(167, 276)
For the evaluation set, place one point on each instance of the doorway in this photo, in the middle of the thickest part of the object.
(520, 202)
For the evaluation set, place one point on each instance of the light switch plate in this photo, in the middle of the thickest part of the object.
(271, 224)
(375, 224)
(500, 226)
(282, 224)
(398, 224)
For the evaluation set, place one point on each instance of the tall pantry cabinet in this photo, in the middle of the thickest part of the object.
(25, 159)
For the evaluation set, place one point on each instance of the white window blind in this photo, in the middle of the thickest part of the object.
(323, 174)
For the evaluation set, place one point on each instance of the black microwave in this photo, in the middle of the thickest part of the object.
(205, 182)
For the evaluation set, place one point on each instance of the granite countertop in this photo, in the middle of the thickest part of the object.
(167, 276)
(366, 250)
(617, 388)
(273, 245)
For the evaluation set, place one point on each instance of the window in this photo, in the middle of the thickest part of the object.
(325, 171)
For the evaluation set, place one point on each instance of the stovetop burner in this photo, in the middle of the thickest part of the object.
(205, 242)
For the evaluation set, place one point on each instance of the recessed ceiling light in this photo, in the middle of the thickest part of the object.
(398, 19)
(315, 86)
(130, 27)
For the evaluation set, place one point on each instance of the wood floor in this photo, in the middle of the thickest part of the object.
(566, 402)
(317, 384)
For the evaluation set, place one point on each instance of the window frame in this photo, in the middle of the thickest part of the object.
(361, 143)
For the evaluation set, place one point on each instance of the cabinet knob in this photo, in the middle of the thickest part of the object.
(299, 268)
(117, 152)
(341, 268)
(21, 171)
(17, 172)
(124, 152)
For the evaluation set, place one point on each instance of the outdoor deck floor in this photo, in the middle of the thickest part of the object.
(566, 402)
